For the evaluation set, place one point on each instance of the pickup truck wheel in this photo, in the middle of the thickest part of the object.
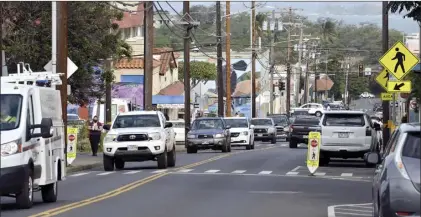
(24, 199)
(318, 114)
(191, 150)
(119, 164)
(273, 141)
(293, 143)
(163, 160)
(49, 192)
(172, 157)
(108, 163)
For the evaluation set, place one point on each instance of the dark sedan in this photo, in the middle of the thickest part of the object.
(208, 133)
(300, 128)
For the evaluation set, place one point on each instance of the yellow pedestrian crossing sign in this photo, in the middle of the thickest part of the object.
(399, 87)
(382, 79)
(398, 60)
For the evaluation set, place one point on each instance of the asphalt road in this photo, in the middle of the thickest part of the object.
(271, 180)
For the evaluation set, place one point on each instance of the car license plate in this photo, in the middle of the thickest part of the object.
(205, 143)
(259, 134)
(131, 148)
(343, 135)
(305, 136)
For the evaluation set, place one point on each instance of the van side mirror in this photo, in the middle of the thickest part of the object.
(46, 127)
(106, 127)
(168, 125)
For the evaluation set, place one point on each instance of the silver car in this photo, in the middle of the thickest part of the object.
(396, 184)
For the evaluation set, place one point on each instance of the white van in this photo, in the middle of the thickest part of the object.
(117, 106)
(32, 137)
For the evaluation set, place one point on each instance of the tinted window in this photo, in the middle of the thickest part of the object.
(129, 121)
(261, 122)
(207, 124)
(305, 120)
(352, 120)
(280, 120)
(178, 124)
(237, 123)
(11, 105)
(412, 146)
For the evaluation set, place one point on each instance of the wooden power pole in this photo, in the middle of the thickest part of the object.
(228, 57)
(288, 107)
(107, 69)
(253, 60)
(187, 115)
(220, 76)
(385, 48)
(148, 55)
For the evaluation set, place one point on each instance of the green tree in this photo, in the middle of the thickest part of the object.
(413, 9)
(89, 41)
(199, 72)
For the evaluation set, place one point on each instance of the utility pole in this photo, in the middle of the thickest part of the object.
(148, 55)
(253, 60)
(107, 113)
(272, 62)
(219, 60)
(288, 107)
(315, 78)
(62, 61)
(1, 39)
(385, 48)
(306, 80)
(187, 115)
(228, 57)
(300, 55)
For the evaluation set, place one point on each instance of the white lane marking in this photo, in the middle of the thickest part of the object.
(295, 169)
(292, 173)
(212, 171)
(79, 174)
(354, 210)
(265, 172)
(185, 170)
(331, 209)
(284, 145)
(270, 145)
(346, 174)
(104, 174)
(275, 192)
(238, 171)
(357, 214)
(132, 172)
(368, 206)
(159, 171)
(319, 174)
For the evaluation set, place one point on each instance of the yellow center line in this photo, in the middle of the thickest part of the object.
(128, 187)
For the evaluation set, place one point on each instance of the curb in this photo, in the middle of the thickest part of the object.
(74, 169)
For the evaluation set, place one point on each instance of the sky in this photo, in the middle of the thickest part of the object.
(349, 12)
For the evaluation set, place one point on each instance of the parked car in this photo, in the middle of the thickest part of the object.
(264, 129)
(312, 109)
(300, 128)
(208, 133)
(179, 129)
(241, 132)
(282, 122)
(347, 134)
(396, 183)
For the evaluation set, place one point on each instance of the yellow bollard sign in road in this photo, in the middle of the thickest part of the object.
(398, 60)
(313, 153)
(71, 144)
(387, 96)
(399, 87)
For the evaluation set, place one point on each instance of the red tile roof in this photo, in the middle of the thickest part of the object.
(324, 83)
(134, 63)
(131, 19)
(174, 89)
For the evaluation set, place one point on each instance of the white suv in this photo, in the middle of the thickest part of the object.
(241, 132)
(347, 134)
(312, 109)
(139, 136)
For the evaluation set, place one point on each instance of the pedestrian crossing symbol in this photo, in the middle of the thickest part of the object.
(382, 79)
(313, 153)
(398, 60)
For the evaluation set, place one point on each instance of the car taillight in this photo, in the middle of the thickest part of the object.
(368, 131)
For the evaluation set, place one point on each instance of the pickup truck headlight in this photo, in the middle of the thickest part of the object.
(11, 148)
(271, 130)
(219, 135)
(110, 138)
(191, 136)
(154, 136)
(245, 133)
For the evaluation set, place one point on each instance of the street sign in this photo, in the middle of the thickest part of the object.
(399, 87)
(399, 60)
(387, 96)
(313, 153)
(71, 67)
(382, 79)
(71, 144)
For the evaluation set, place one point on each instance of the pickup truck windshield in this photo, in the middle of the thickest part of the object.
(11, 106)
(134, 121)
(237, 123)
(207, 124)
(263, 122)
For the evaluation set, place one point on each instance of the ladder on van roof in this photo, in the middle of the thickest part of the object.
(28, 77)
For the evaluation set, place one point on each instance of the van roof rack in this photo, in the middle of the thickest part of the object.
(28, 77)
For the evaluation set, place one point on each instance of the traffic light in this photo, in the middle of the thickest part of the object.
(360, 70)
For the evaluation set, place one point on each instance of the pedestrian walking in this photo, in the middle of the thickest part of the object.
(95, 129)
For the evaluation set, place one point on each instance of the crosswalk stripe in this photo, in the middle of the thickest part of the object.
(284, 145)
(346, 174)
(319, 174)
(265, 172)
(185, 170)
(292, 173)
(79, 174)
(159, 171)
(212, 171)
(132, 172)
(239, 171)
(106, 173)
(270, 145)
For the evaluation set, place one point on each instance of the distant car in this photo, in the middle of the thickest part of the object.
(396, 183)
(179, 129)
(208, 133)
(312, 109)
(282, 122)
(300, 128)
(264, 129)
(241, 132)
(347, 134)
(366, 95)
